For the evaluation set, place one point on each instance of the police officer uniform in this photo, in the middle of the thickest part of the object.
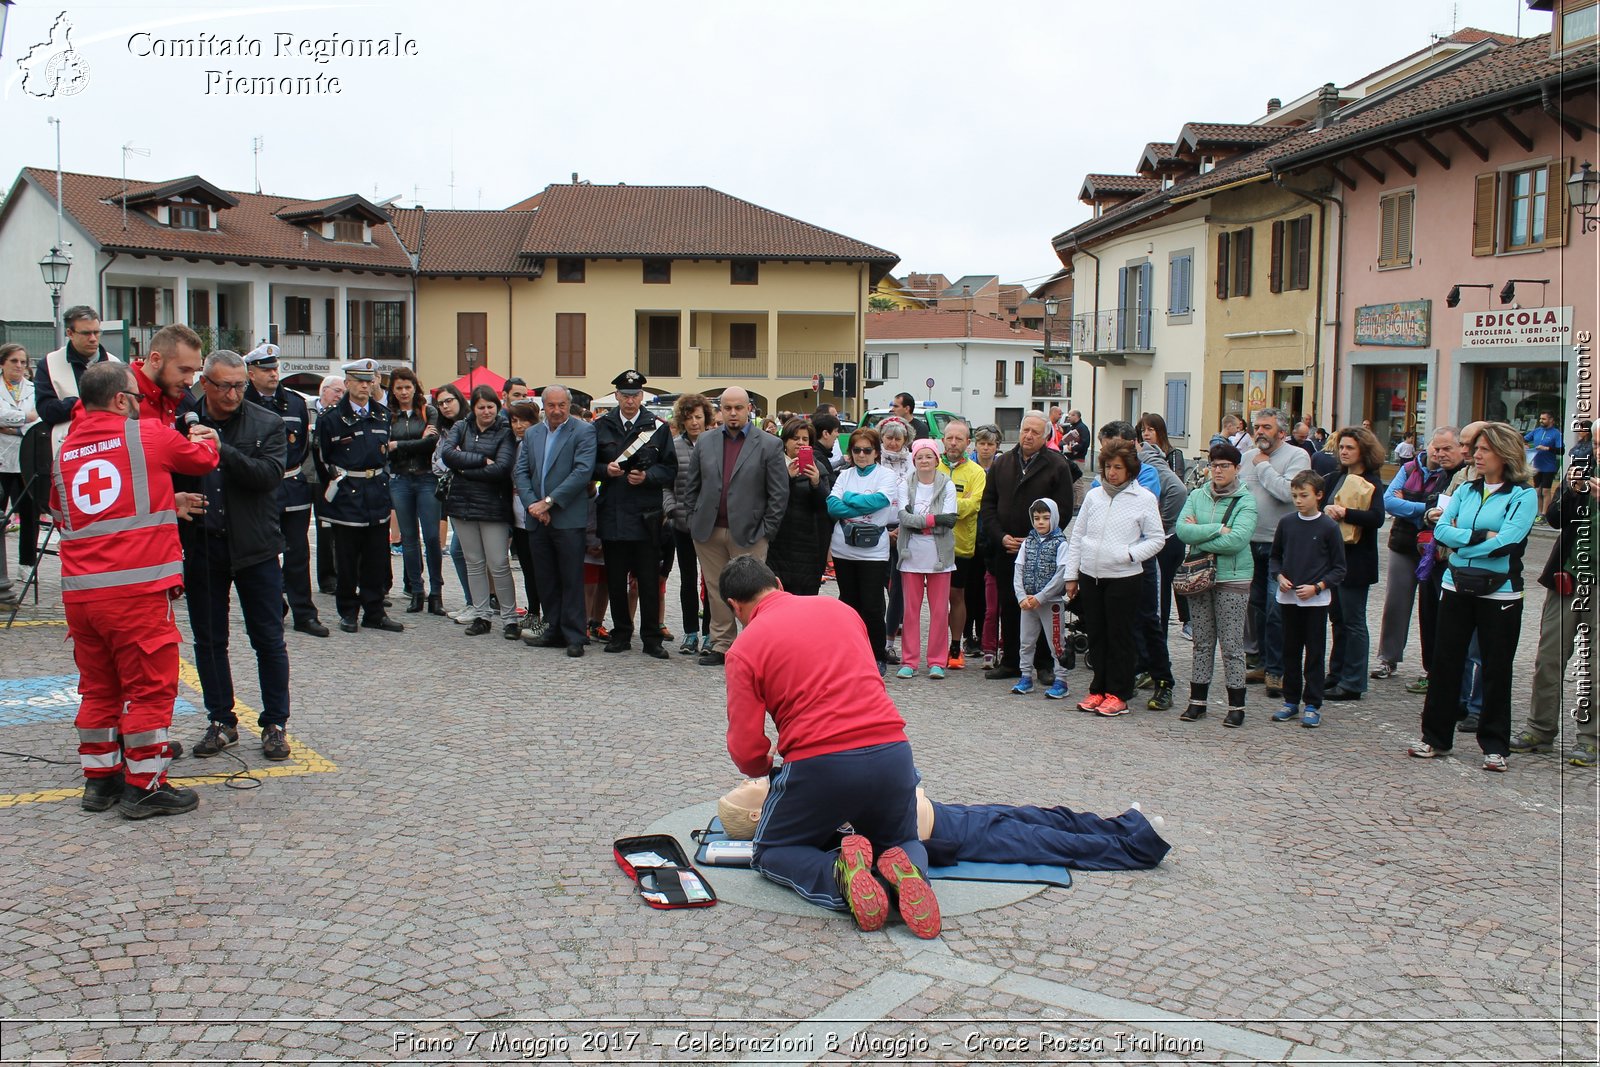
(350, 443)
(628, 515)
(294, 494)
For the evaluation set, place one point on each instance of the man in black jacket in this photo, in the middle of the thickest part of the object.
(294, 492)
(236, 541)
(635, 460)
(1016, 479)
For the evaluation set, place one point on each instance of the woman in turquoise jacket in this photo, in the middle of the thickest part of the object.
(1485, 526)
(1218, 519)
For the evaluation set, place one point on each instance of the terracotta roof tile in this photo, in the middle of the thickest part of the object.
(251, 232)
(671, 221)
(902, 325)
(1231, 134)
(475, 242)
(1100, 185)
(1520, 66)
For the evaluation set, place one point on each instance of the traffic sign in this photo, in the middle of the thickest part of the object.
(930, 383)
(816, 383)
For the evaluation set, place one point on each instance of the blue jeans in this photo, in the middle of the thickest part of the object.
(1265, 610)
(1347, 664)
(1472, 679)
(207, 574)
(414, 505)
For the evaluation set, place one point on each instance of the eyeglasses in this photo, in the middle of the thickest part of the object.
(87, 333)
(226, 387)
(869, 450)
(138, 398)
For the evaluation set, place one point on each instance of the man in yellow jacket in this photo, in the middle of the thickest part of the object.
(968, 479)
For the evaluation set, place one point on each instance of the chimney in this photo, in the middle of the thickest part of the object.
(1327, 104)
(1273, 105)
(574, 177)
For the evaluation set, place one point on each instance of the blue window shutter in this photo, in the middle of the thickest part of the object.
(1180, 282)
(1147, 273)
(1122, 310)
(1177, 407)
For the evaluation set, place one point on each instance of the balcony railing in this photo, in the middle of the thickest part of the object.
(1117, 330)
(307, 346)
(803, 364)
(733, 363)
(390, 348)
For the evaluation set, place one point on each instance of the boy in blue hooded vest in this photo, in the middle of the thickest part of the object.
(1040, 581)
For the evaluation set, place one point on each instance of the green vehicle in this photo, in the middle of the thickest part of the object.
(936, 418)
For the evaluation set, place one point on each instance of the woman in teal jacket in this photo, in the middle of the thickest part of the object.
(1485, 526)
(1218, 519)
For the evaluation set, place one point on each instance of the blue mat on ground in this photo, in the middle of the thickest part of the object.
(1041, 874)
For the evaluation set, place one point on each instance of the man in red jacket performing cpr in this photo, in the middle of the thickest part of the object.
(846, 757)
(121, 567)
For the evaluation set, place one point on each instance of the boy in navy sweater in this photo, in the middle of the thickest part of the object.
(1309, 552)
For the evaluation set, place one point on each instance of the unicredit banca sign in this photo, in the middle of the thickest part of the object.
(1525, 326)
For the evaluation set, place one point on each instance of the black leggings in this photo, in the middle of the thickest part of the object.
(1108, 607)
(862, 585)
(691, 592)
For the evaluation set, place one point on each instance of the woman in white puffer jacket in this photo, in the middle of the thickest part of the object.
(1116, 530)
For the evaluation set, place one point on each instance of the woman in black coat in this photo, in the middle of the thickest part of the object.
(413, 439)
(794, 554)
(480, 453)
(1360, 459)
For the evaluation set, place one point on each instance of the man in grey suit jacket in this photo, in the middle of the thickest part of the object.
(554, 468)
(738, 488)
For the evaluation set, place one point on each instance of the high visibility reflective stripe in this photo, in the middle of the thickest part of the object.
(109, 579)
(147, 737)
(127, 525)
(109, 734)
(153, 765)
(141, 469)
(61, 495)
(100, 759)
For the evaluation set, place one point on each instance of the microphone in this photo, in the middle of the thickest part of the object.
(191, 419)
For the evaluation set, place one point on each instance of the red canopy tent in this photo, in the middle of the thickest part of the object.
(467, 382)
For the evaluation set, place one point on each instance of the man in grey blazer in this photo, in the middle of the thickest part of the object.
(738, 488)
(554, 468)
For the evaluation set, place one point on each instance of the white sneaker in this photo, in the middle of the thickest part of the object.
(465, 615)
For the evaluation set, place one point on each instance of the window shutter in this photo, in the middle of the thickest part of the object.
(1244, 242)
(1302, 253)
(1555, 211)
(1403, 211)
(1123, 309)
(1147, 275)
(1386, 217)
(1222, 266)
(1275, 273)
(1483, 205)
(1177, 413)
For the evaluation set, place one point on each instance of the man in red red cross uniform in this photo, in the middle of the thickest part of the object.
(121, 567)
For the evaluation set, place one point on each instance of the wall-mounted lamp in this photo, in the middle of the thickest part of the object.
(1508, 292)
(1454, 296)
(1583, 192)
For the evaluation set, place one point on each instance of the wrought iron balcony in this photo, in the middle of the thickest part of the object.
(1107, 337)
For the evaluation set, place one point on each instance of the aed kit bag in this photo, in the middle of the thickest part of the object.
(661, 872)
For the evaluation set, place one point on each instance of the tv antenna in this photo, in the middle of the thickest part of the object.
(129, 149)
(257, 143)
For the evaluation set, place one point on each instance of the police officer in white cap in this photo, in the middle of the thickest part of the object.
(350, 440)
(294, 495)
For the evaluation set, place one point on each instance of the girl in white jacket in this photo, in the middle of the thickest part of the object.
(1117, 529)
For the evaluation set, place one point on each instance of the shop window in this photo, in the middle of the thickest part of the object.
(1397, 401)
(1232, 395)
(1518, 392)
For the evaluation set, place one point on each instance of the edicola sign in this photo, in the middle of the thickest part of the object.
(1525, 326)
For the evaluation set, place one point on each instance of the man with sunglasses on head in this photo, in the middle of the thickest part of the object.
(234, 545)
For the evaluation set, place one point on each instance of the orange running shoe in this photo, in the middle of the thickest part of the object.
(1091, 702)
(958, 662)
(918, 906)
(1112, 706)
(852, 872)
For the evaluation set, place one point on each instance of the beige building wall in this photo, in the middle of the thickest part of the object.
(1266, 332)
(807, 317)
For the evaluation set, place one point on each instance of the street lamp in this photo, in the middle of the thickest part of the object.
(1583, 191)
(1051, 306)
(472, 366)
(55, 267)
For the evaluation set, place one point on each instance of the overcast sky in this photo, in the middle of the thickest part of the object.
(954, 134)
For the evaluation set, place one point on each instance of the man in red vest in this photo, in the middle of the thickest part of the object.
(121, 567)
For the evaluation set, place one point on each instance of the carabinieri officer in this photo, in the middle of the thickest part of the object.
(350, 440)
(294, 494)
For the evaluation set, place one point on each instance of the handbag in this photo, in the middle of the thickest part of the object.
(1476, 581)
(441, 491)
(863, 534)
(1198, 572)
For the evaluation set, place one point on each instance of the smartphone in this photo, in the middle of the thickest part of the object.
(804, 458)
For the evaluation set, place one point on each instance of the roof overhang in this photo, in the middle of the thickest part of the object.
(356, 205)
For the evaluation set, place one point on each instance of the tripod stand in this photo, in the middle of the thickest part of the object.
(35, 459)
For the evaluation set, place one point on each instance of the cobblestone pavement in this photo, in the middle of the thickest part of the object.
(441, 887)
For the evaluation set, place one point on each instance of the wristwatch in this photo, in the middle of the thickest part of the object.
(548, 502)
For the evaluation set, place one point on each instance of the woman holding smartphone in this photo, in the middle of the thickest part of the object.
(865, 500)
(794, 554)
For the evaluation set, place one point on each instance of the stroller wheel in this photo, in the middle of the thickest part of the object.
(1069, 659)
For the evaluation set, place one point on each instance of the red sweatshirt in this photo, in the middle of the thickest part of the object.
(822, 699)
